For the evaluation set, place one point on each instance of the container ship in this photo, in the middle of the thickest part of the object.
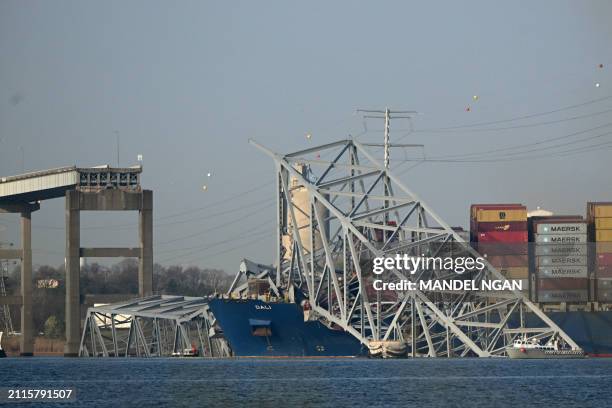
(339, 208)
(263, 328)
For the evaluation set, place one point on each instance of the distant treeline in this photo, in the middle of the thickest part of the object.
(121, 278)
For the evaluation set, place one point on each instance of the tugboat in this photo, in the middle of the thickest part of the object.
(527, 349)
(2, 352)
(188, 352)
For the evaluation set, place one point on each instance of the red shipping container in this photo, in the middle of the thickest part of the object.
(604, 259)
(500, 226)
(501, 248)
(563, 283)
(603, 272)
(502, 236)
(507, 261)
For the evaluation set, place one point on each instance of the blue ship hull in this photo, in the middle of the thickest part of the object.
(592, 331)
(292, 337)
(289, 335)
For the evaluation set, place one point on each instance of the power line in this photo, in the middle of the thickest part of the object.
(552, 146)
(266, 222)
(132, 225)
(219, 226)
(257, 239)
(563, 153)
(406, 170)
(503, 155)
(193, 250)
(551, 122)
(222, 201)
(519, 146)
(257, 227)
(516, 118)
(509, 148)
(583, 149)
(224, 212)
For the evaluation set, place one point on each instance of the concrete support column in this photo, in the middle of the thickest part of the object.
(145, 232)
(73, 270)
(27, 325)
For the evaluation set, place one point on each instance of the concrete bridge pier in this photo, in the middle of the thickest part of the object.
(73, 271)
(103, 200)
(24, 254)
(27, 322)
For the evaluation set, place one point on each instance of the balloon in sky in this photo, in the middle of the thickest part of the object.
(308, 136)
(204, 187)
(475, 97)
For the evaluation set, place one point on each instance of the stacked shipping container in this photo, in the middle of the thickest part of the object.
(559, 259)
(599, 217)
(499, 233)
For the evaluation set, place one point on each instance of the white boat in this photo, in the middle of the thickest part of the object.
(188, 352)
(531, 348)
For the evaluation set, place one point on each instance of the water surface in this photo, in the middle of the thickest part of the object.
(317, 382)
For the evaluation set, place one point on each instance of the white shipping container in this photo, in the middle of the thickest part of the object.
(561, 249)
(561, 238)
(561, 260)
(562, 272)
(562, 228)
(554, 296)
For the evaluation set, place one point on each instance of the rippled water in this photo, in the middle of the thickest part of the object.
(323, 383)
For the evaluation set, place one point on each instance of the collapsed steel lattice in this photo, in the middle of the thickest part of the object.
(357, 209)
(154, 326)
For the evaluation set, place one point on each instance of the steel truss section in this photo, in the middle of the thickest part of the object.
(6, 322)
(154, 326)
(357, 209)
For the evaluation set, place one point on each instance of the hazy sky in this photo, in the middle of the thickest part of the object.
(187, 83)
